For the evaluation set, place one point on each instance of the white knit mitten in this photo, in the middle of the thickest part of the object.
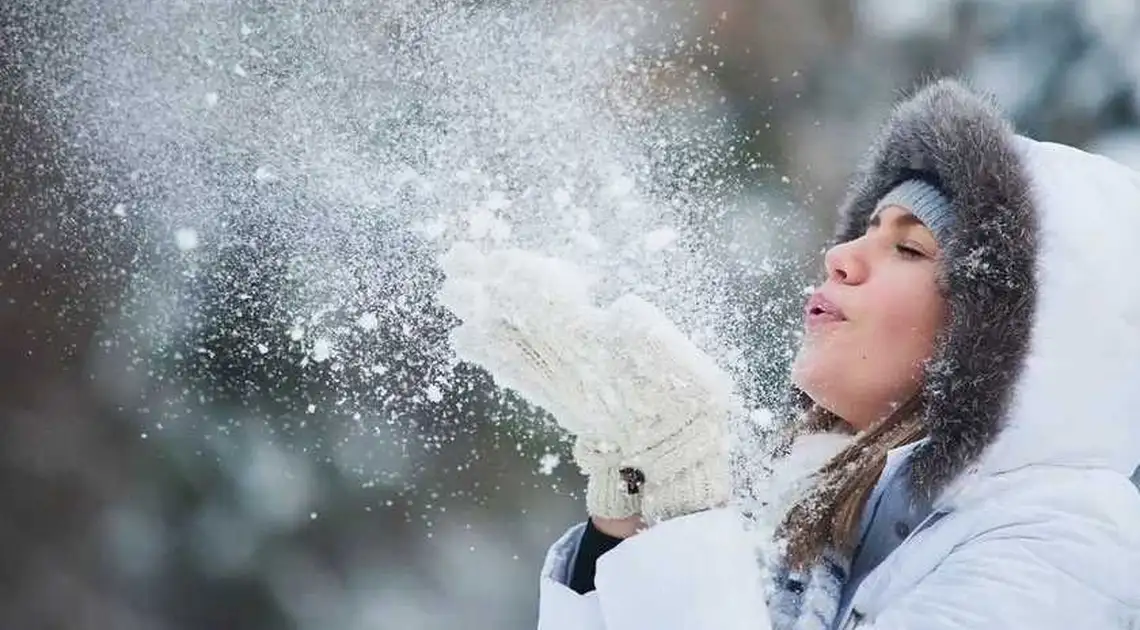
(649, 409)
(677, 404)
(529, 321)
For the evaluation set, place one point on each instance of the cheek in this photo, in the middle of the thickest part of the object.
(900, 337)
(881, 353)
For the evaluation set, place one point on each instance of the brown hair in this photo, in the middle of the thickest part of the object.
(828, 515)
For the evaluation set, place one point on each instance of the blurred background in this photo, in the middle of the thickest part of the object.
(226, 395)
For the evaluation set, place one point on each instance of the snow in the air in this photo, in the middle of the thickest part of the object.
(322, 349)
(548, 462)
(186, 239)
(368, 321)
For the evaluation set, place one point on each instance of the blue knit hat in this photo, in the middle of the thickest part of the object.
(924, 201)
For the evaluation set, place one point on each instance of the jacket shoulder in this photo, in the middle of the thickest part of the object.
(1085, 523)
(1049, 548)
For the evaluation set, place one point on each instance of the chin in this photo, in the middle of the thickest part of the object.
(820, 380)
(810, 369)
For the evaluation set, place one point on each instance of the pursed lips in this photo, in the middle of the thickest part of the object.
(820, 311)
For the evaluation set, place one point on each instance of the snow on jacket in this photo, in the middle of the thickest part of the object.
(1033, 415)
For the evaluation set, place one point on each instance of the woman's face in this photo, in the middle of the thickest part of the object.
(871, 326)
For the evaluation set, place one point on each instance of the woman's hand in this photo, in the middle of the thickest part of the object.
(619, 527)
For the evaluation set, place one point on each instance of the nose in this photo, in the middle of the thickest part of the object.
(844, 264)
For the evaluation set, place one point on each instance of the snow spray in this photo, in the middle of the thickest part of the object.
(289, 172)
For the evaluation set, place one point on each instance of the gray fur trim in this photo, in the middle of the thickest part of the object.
(962, 144)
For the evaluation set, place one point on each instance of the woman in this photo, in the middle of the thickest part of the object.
(978, 332)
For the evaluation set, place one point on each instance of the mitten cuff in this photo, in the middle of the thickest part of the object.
(607, 496)
(698, 488)
(609, 493)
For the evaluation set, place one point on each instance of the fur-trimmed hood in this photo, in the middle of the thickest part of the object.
(1040, 361)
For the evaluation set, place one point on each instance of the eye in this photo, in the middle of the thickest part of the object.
(907, 250)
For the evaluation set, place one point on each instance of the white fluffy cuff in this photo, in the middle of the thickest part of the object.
(700, 487)
(607, 496)
(607, 492)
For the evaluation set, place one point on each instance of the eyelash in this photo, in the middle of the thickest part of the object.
(909, 252)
